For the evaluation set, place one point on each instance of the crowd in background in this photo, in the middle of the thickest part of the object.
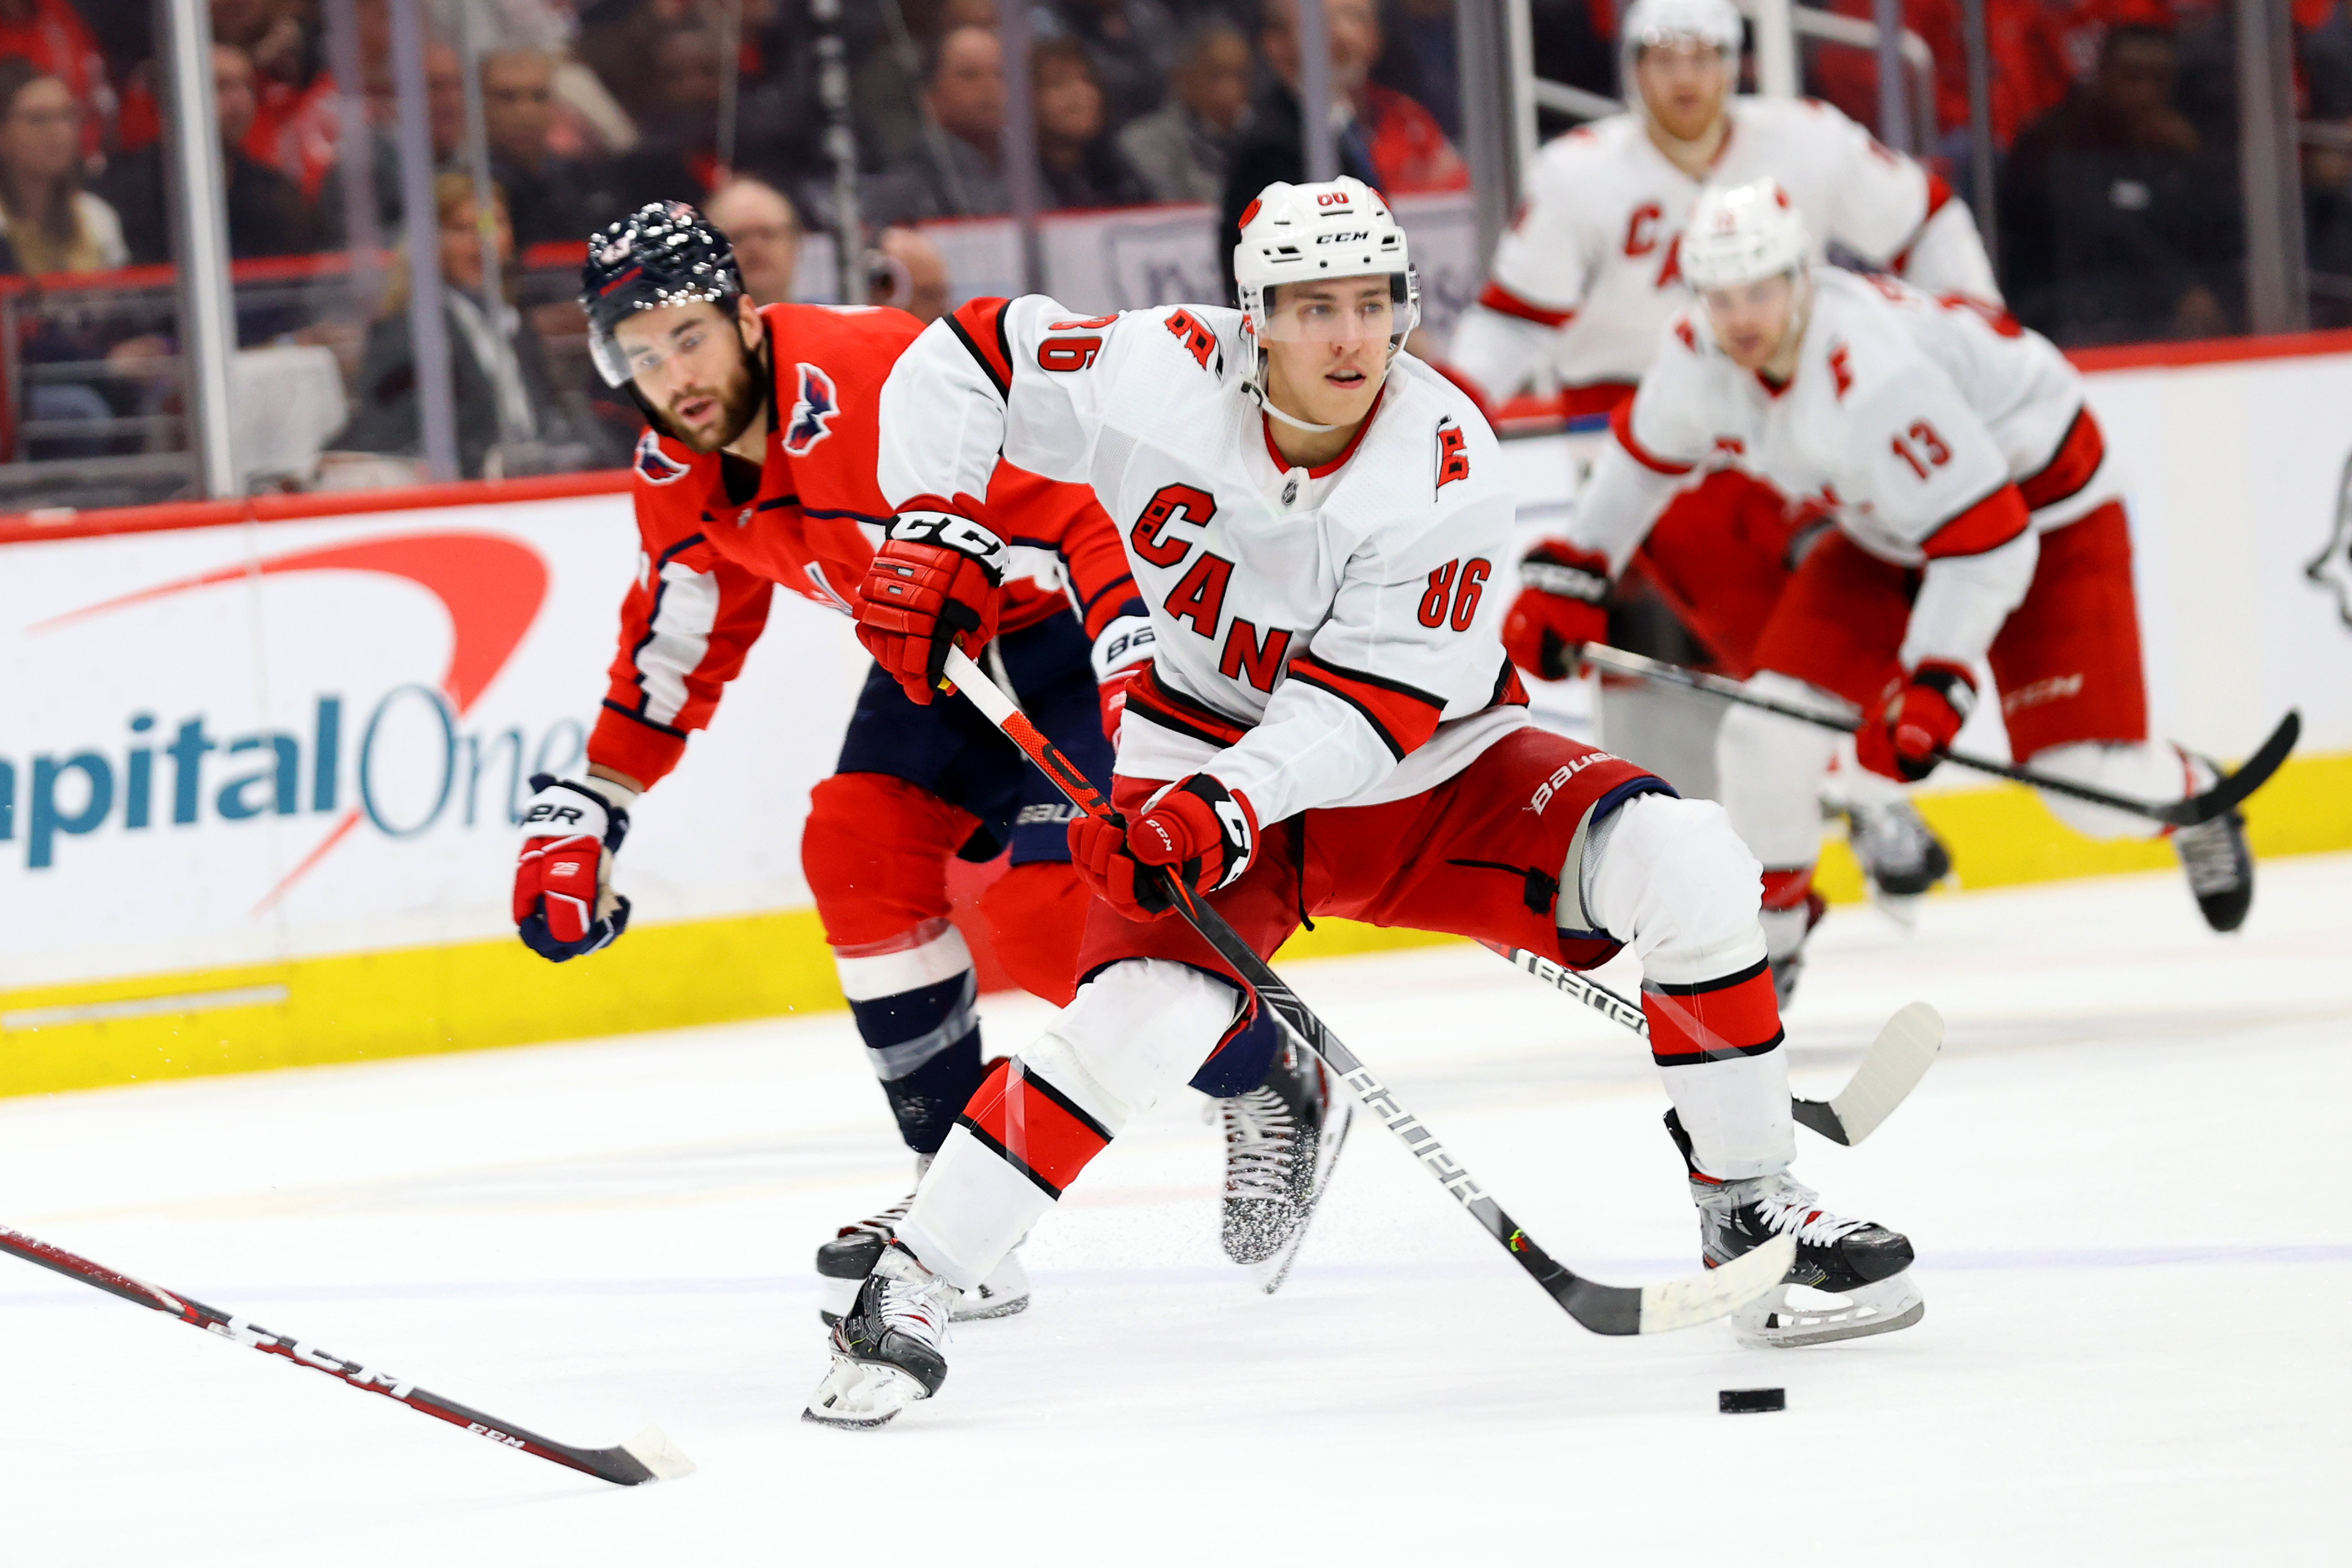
(2115, 125)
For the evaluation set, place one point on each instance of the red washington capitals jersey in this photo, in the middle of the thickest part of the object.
(708, 567)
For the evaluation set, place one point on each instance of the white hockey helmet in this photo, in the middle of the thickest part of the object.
(1649, 22)
(1743, 234)
(1297, 234)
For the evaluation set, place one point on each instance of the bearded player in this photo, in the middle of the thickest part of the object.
(1978, 520)
(1591, 269)
(1328, 726)
(758, 471)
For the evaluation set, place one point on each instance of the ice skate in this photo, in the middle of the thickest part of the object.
(1899, 853)
(887, 1348)
(843, 1264)
(1282, 1139)
(1864, 1264)
(2220, 865)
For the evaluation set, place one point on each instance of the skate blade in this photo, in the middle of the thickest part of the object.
(1773, 1324)
(1719, 1291)
(1269, 1273)
(859, 1394)
(977, 1306)
(1903, 908)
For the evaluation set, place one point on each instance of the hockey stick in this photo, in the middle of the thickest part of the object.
(1906, 1048)
(1603, 1308)
(2219, 801)
(647, 1456)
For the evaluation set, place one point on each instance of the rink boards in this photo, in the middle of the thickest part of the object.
(259, 764)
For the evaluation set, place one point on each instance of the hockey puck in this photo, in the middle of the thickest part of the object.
(1749, 1401)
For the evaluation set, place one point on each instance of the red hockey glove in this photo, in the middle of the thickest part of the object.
(564, 905)
(1910, 736)
(1199, 830)
(1113, 693)
(934, 584)
(1563, 606)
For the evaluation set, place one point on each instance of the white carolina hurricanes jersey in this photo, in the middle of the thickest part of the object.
(1934, 432)
(1324, 638)
(1589, 271)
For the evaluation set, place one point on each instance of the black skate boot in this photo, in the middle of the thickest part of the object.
(1865, 1263)
(1899, 853)
(887, 1348)
(1282, 1139)
(843, 1264)
(2219, 865)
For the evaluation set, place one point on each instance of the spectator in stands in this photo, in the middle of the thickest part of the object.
(2031, 69)
(444, 101)
(551, 198)
(1420, 60)
(956, 174)
(678, 157)
(911, 275)
(1179, 149)
(1389, 141)
(758, 222)
(506, 424)
(267, 213)
(886, 81)
(295, 120)
(51, 223)
(1134, 45)
(1082, 167)
(2116, 223)
(52, 36)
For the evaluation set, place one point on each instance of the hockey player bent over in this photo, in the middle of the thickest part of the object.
(1977, 516)
(1589, 272)
(1328, 726)
(758, 471)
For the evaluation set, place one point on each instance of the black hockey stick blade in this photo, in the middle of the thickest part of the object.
(1603, 1308)
(1897, 1060)
(647, 1456)
(2251, 775)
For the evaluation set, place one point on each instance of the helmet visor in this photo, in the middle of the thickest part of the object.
(1373, 307)
(640, 343)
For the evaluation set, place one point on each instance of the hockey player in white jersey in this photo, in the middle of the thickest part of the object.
(1328, 726)
(1977, 519)
(1591, 269)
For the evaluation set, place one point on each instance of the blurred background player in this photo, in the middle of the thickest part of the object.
(1582, 281)
(1327, 725)
(1977, 518)
(765, 417)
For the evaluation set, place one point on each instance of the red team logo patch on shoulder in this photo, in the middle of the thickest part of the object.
(1187, 329)
(655, 466)
(1452, 453)
(812, 419)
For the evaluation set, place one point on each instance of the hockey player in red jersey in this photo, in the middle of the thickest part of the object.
(1590, 271)
(1328, 726)
(758, 471)
(1977, 518)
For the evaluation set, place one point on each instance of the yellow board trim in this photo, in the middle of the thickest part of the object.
(473, 995)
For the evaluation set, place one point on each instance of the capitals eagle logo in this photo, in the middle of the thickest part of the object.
(655, 466)
(813, 415)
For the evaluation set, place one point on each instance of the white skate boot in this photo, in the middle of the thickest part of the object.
(843, 1264)
(886, 1350)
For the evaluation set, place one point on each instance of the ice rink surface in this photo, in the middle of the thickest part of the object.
(2124, 1179)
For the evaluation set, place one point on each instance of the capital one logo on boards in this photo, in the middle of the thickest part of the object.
(164, 773)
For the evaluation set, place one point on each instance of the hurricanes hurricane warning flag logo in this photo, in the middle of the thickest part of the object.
(812, 418)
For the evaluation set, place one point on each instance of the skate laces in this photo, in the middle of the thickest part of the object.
(883, 1224)
(2209, 853)
(1789, 1209)
(1260, 1130)
(917, 1307)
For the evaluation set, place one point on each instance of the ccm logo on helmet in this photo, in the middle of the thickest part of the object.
(1342, 238)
